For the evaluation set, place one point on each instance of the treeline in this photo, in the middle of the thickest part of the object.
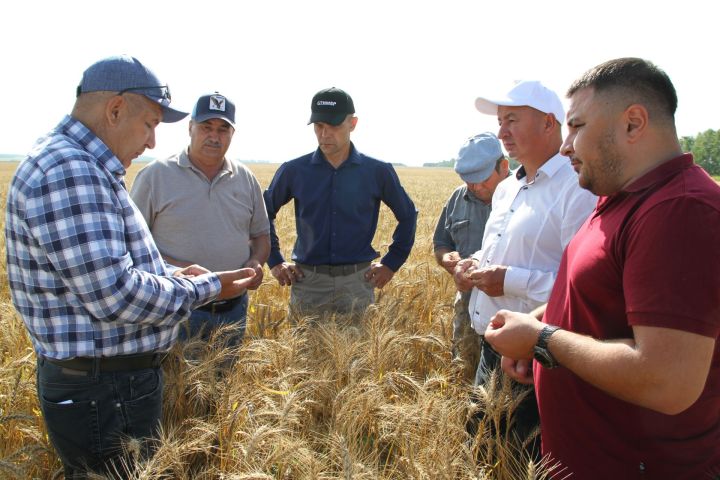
(705, 147)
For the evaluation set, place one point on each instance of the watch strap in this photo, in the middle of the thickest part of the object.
(545, 334)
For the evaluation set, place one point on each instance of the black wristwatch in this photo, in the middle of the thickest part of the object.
(542, 354)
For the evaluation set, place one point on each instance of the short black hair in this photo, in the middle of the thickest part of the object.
(640, 80)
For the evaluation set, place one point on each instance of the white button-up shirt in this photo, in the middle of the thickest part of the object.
(529, 227)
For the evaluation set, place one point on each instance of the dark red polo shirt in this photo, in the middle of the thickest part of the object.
(649, 255)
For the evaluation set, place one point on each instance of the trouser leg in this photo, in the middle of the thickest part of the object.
(489, 361)
(89, 415)
(319, 293)
(465, 340)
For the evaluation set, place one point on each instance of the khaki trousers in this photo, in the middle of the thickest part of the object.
(465, 341)
(320, 293)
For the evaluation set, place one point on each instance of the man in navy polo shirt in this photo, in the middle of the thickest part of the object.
(337, 193)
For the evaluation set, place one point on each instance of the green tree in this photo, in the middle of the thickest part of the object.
(706, 150)
(687, 143)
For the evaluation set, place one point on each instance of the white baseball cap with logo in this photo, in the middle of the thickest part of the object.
(526, 93)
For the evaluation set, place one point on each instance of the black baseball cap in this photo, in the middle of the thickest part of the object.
(331, 105)
(212, 106)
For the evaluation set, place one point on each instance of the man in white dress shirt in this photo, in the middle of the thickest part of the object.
(535, 213)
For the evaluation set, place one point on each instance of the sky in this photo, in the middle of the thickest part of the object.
(413, 68)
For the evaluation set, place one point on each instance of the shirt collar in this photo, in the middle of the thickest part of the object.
(660, 173)
(354, 157)
(470, 197)
(657, 175)
(77, 131)
(549, 168)
(184, 161)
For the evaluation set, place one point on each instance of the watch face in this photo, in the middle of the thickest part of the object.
(544, 358)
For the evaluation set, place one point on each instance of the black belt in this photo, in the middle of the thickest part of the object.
(335, 270)
(220, 306)
(118, 363)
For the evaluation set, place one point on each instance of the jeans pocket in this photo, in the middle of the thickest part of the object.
(143, 409)
(73, 429)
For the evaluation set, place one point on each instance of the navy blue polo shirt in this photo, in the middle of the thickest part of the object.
(336, 210)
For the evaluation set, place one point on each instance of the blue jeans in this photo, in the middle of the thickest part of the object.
(89, 414)
(203, 323)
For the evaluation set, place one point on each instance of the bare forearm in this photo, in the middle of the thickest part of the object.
(260, 248)
(439, 252)
(665, 373)
(539, 312)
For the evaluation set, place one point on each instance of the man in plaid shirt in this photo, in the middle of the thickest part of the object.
(100, 304)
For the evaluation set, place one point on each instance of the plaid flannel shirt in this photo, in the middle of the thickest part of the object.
(84, 271)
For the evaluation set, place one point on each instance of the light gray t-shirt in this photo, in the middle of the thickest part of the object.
(200, 221)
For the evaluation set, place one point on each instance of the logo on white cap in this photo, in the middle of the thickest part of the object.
(217, 102)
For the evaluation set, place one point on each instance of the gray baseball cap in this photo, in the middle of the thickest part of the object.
(124, 73)
(477, 157)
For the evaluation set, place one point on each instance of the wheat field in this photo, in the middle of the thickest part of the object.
(329, 401)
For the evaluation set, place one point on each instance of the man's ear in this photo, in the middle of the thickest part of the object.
(114, 108)
(635, 118)
(550, 122)
(353, 122)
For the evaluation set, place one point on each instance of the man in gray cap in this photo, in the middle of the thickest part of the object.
(204, 208)
(101, 306)
(536, 212)
(459, 231)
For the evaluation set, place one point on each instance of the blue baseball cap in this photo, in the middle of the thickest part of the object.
(214, 106)
(124, 73)
(477, 157)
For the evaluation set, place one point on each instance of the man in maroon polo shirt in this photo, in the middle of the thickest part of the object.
(628, 370)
